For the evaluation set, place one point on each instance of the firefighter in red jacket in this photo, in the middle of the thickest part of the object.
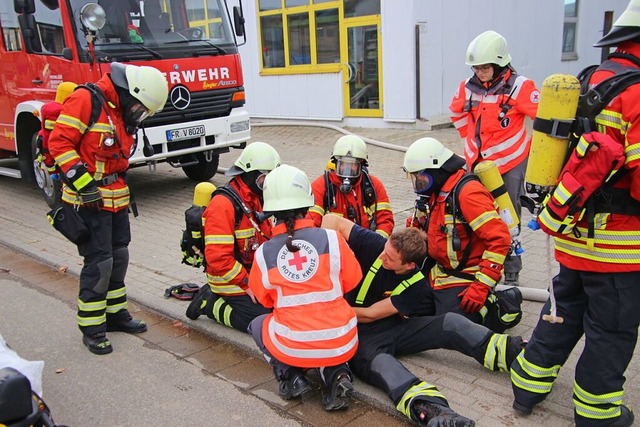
(93, 162)
(234, 228)
(349, 190)
(489, 110)
(467, 239)
(597, 291)
(303, 273)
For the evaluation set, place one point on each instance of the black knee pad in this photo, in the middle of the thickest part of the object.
(392, 373)
(120, 264)
(470, 333)
(105, 268)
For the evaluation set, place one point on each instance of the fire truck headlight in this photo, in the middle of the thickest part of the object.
(239, 126)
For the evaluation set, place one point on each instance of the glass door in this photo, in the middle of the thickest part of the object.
(362, 67)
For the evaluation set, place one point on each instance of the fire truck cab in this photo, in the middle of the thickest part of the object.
(192, 42)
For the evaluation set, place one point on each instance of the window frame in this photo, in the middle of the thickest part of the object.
(284, 13)
(573, 55)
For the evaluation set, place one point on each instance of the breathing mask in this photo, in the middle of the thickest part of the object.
(349, 169)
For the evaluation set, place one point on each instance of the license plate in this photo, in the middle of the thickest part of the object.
(185, 133)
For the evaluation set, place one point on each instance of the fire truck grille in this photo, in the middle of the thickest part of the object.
(204, 105)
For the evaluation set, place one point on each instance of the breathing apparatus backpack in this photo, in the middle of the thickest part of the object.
(594, 161)
(502, 309)
(369, 196)
(192, 242)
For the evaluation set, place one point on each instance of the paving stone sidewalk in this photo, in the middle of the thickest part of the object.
(155, 264)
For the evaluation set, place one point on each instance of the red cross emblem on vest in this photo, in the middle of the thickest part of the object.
(297, 260)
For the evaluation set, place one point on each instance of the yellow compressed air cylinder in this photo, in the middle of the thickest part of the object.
(490, 177)
(558, 101)
(202, 193)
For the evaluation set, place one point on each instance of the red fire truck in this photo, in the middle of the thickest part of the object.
(46, 42)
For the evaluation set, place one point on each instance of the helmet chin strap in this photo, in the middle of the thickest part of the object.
(346, 186)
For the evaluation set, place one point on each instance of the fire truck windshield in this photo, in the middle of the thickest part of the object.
(137, 29)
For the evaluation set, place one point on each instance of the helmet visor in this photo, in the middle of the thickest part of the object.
(422, 181)
(136, 113)
(348, 167)
(260, 179)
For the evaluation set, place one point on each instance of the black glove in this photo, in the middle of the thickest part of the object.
(91, 198)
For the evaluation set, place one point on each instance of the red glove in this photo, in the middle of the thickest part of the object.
(474, 297)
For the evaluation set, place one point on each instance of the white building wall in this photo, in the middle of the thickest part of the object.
(533, 30)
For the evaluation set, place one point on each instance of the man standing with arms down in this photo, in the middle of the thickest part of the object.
(392, 289)
(488, 110)
(93, 161)
(597, 291)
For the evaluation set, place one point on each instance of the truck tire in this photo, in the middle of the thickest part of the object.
(204, 170)
(51, 188)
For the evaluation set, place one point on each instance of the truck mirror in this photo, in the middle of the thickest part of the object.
(238, 21)
(67, 54)
(30, 33)
(26, 7)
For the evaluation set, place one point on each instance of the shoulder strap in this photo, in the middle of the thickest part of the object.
(369, 197)
(233, 196)
(596, 98)
(98, 102)
(453, 201)
(329, 193)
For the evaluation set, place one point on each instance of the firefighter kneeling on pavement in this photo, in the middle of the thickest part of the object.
(93, 162)
(467, 239)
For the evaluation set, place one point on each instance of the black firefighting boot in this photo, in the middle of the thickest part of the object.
(200, 301)
(434, 415)
(123, 322)
(511, 279)
(97, 343)
(296, 385)
(625, 419)
(515, 344)
(337, 395)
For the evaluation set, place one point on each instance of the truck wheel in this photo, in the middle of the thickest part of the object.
(51, 188)
(204, 170)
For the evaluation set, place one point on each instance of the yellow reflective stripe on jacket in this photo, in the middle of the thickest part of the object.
(441, 279)
(600, 253)
(366, 283)
(102, 128)
(612, 119)
(66, 157)
(482, 219)
(493, 257)
(244, 233)
(421, 389)
(382, 206)
(220, 284)
(48, 124)
(632, 152)
(73, 122)
(317, 210)
(382, 233)
(219, 239)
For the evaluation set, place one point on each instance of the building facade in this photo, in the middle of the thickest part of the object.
(387, 63)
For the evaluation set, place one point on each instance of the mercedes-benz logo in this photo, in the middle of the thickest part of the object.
(180, 97)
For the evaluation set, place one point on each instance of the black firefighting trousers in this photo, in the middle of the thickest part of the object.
(381, 341)
(102, 296)
(605, 307)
